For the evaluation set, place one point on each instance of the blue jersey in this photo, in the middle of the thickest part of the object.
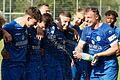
(55, 45)
(117, 32)
(100, 40)
(77, 28)
(34, 45)
(34, 65)
(17, 48)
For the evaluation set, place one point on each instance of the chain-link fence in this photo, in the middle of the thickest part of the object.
(15, 8)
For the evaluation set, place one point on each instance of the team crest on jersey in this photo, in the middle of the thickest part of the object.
(93, 42)
(98, 38)
(110, 31)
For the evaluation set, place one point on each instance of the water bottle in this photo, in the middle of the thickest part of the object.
(87, 57)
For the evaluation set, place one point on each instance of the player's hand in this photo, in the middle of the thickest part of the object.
(6, 36)
(118, 53)
(40, 33)
(77, 55)
(5, 54)
(39, 37)
(93, 62)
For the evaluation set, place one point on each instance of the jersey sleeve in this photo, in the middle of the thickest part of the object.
(117, 32)
(111, 37)
(83, 37)
(9, 26)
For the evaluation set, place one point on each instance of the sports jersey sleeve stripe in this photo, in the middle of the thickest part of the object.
(114, 42)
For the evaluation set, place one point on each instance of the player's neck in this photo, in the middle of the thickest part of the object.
(21, 21)
(97, 25)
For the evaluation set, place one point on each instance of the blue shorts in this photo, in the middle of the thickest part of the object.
(13, 70)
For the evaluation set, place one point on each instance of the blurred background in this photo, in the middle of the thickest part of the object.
(11, 9)
(15, 8)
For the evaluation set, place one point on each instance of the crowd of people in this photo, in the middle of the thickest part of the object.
(38, 48)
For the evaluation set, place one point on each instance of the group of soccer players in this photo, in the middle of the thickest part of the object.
(38, 48)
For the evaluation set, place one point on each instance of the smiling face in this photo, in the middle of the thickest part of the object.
(78, 18)
(91, 18)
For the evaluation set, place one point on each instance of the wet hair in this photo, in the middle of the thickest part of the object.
(34, 13)
(95, 10)
(111, 12)
(44, 4)
(2, 21)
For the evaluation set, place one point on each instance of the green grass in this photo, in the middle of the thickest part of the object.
(1, 46)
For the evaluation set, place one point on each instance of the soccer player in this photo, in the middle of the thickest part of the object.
(78, 21)
(83, 67)
(44, 8)
(13, 68)
(66, 34)
(111, 18)
(3, 33)
(50, 63)
(40, 63)
(102, 45)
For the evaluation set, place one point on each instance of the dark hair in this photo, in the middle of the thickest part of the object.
(34, 13)
(2, 20)
(95, 10)
(111, 12)
(65, 13)
(47, 18)
(44, 4)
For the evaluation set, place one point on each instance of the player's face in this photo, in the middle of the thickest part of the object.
(31, 22)
(41, 25)
(44, 9)
(65, 21)
(90, 18)
(78, 19)
(110, 19)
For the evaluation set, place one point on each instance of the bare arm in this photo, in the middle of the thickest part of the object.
(111, 51)
(6, 36)
(79, 50)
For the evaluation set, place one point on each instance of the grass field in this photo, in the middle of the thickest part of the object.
(1, 46)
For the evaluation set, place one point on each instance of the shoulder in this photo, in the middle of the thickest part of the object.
(12, 23)
(106, 28)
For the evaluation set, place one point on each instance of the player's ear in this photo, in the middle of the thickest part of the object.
(28, 18)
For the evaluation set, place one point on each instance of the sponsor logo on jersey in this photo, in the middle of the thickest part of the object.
(21, 43)
(95, 47)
